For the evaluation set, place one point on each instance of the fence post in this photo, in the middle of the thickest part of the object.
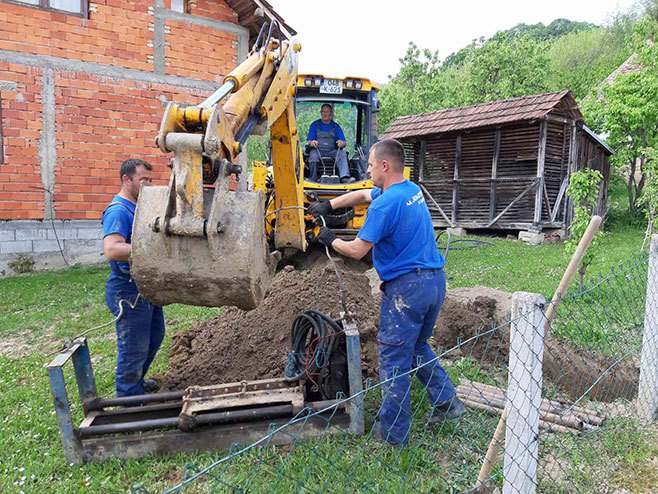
(647, 395)
(524, 393)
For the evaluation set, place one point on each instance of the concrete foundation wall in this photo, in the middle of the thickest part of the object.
(52, 244)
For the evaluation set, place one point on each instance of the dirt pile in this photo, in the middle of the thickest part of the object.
(474, 322)
(469, 312)
(245, 345)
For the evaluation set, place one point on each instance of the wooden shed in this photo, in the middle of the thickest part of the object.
(502, 165)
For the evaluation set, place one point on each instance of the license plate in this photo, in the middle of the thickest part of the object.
(331, 86)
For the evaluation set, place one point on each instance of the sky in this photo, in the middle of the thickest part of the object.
(367, 38)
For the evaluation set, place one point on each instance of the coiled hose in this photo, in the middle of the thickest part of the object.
(313, 337)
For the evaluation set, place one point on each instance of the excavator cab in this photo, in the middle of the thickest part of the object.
(355, 107)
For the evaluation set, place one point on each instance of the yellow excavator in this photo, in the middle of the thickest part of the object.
(205, 239)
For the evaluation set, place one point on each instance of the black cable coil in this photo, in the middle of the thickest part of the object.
(313, 337)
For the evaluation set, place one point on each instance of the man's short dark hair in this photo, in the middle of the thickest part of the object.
(391, 151)
(328, 106)
(129, 167)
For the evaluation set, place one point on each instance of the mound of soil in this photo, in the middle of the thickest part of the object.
(246, 345)
(241, 345)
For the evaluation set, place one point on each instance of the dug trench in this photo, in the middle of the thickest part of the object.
(239, 345)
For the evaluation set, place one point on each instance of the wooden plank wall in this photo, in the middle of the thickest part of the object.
(487, 183)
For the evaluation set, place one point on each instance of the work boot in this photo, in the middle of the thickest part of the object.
(450, 409)
(347, 180)
(150, 385)
(379, 436)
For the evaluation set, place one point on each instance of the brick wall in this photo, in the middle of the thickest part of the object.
(81, 95)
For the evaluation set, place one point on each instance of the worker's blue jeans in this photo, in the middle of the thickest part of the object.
(140, 332)
(409, 309)
(340, 157)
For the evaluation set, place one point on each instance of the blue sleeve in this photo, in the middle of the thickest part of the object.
(375, 227)
(339, 134)
(312, 131)
(375, 193)
(117, 220)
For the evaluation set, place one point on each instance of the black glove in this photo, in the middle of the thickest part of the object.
(320, 208)
(326, 236)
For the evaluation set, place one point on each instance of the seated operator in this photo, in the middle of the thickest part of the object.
(327, 140)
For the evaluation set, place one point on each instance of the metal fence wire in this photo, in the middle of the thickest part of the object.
(568, 389)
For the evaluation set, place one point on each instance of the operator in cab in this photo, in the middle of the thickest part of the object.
(398, 228)
(327, 140)
(140, 326)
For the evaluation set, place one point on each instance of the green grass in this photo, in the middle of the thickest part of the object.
(38, 310)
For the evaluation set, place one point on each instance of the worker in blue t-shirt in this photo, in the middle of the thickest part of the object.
(327, 140)
(141, 327)
(398, 228)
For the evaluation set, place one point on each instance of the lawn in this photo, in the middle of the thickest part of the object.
(38, 311)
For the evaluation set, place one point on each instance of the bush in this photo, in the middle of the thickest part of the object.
(23, 264)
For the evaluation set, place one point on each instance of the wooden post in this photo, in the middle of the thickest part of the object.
(455, 182)
(421, 160)
(524, 394)
(494, 175)
(573, 166)
(541, 158)
(647, 396)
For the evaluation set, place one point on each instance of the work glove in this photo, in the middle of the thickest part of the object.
(326, 236)
(320, 208)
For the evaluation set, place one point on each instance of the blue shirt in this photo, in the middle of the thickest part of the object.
(118, 218)
(399, 224)
(313, 130)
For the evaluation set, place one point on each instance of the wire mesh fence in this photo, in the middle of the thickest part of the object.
(567, 389)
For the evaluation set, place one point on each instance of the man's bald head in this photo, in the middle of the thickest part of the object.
(391, 151)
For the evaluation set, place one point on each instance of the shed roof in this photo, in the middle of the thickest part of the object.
(252, 14)
(531, 107)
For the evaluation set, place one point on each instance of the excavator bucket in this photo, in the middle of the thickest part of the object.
(229, 265)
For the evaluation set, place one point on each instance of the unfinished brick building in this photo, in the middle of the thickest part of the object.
(83, 86)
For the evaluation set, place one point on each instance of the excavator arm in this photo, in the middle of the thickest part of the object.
(198, 241)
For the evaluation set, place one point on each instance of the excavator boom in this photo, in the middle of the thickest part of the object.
(200, 241)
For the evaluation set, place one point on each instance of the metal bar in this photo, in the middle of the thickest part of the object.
(541, 158)
(429, 196)
(355, 406)
(84, 376)
(240, 415)
(516, 199)
(64, 356)
(70, 442)
(141, 425)
(138, 399)
(494, 174)
(209, 418)
(218, 95)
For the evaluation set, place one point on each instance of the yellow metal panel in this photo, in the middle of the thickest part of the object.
(367, 83)
(288, 189)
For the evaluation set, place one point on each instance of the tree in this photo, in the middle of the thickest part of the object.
(583, 190)
(580, 60)
(506, 67)
(627, 111)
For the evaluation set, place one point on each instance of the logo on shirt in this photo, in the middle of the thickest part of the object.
(416, 198)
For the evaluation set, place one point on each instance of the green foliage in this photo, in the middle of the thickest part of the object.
(22, 264)
(627, 111)
(583, 190)
(556, 29)
(580, 60)
(506, 67)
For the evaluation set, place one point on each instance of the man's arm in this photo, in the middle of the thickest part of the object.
(116, 248)
(355, 249)
(352, 199)
(341, 141)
